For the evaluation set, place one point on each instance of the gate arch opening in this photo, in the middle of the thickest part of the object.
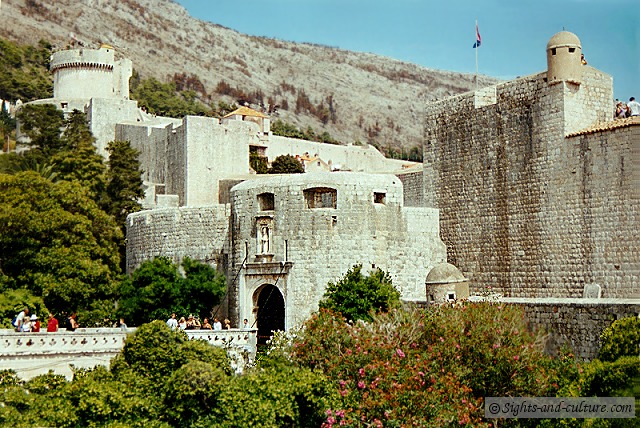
(270, 312)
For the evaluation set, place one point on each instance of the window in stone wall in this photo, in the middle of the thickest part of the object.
(379, 197)
(266, 201)
(320, 197)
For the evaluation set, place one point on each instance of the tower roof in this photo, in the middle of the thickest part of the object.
(444, 273)
(246, 111)
(564, 38)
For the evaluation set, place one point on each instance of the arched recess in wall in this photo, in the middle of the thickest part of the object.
(270, 311)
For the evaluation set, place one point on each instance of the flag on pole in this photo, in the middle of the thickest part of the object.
(478, 38)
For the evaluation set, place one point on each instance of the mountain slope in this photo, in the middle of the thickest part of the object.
(354, 96)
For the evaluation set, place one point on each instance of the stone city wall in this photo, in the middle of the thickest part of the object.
(517, 199)
(199, 233)
(350, 157)
(576, 323)
(413, 185)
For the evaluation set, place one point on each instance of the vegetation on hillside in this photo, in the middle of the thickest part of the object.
(24, 71)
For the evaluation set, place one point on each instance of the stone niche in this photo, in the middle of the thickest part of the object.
(264, 239)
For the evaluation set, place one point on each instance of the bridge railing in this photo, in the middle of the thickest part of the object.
(30, 354)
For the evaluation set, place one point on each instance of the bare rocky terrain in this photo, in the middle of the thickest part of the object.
(353, 96)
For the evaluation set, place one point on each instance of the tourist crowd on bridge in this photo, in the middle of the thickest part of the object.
(193, 323)
(25, 322)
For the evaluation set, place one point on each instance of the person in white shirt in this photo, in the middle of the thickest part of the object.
(172, 322)
(217, 325)
(634, 107)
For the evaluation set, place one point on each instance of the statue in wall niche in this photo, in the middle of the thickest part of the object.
(264, 239)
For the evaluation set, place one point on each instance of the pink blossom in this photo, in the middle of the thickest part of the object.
(516, 357)
(340, 413)
(441, 339)
(496, 346)
(343, 392)
(329, 412)
(342, 383)
(361, 384)
(400, 353)
(386, 414)
(349, 352)
(331, 420)
(457, 346)
(361, 372)
(421, 374)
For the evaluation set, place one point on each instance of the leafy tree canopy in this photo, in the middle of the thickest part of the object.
(157, 288)
(357, 296)
(164, 99)
(56, 243)
(286, 164)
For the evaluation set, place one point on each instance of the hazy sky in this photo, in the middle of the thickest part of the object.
(440, 34)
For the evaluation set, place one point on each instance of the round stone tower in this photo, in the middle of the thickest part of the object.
(564, 53)
(83, 73)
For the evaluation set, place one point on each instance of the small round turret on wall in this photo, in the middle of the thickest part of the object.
(83, 73)
(564, 52)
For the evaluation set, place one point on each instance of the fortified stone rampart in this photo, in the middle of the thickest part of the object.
(299, 232)
(576, 323)
(526, 206)
(199, 233)
(413, 186)
(350, 157)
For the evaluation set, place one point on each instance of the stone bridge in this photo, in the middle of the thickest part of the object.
(33, 354)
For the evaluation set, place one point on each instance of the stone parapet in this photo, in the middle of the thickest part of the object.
(33, 354)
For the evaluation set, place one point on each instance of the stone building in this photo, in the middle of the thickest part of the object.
(536, 183)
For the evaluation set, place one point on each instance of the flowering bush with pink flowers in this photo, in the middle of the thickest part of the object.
(433, 366)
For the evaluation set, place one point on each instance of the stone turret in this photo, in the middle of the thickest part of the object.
(90, 73)
(564, 53)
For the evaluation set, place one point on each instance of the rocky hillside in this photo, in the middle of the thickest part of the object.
(353, 96)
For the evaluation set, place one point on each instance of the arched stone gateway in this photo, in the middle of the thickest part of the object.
(269, 306)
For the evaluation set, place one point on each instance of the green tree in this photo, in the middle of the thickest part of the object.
(77, 160)
(286, 164)
(42, 123)
(124, 182)
(357, 296)
(622, 338)
(164, 99)
(56, 243)
(156, 289)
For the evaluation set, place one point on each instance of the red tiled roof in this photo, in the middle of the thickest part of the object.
(607, 126)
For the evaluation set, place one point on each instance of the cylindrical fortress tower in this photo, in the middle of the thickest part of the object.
(83, 73)
(564, 63)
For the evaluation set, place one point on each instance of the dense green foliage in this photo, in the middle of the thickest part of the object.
(66, 245)
(427, 368)
(161, 379)
(164, 99)
(621, 339)
(24, 71)
(358, 297)
(57, 243)
(279, 127)
(157, 288)
(286, 164)
(42, 124)
(260, 164)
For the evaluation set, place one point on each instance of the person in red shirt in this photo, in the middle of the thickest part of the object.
(52, 325)
(35, 324)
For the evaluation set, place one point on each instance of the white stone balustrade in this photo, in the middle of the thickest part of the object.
(32, 354)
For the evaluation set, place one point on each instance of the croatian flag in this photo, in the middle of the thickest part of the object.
(478, 38)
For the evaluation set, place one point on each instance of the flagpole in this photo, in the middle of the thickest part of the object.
(476, 36)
